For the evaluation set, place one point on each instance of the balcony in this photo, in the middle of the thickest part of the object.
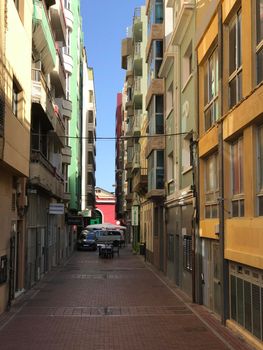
(58, 76)
(68, 60)
(66, 108)
(66, 155)
(156, 88)
(186, 8)
(126, 51)
(41, 96)
(155, 194)
(137, 94)
(129, 107)
(43, 40)
(136, 126)
(137, 64)
(137, 25)
(140, 181)
(44, 175)
(136, 160)
(58, 21)
(157, 33)
(69, 18)
(155, 143)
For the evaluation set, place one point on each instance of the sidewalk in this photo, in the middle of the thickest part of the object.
(110, 304)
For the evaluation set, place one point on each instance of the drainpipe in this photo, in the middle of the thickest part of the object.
(224, 281)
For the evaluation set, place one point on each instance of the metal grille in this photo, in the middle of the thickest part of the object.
(247, 304)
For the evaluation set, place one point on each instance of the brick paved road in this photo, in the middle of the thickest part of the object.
(109, 304)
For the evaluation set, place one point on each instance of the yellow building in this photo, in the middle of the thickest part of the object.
(15, 105)
(229, 42)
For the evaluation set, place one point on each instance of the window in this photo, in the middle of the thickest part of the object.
(187, 65)
(259, 40)
(90, 96)
(187, 252)
(155, 15)
(237, 178)
(169, 99)
(211, 90)
(155, 115)
(211, 186)
(67, 4)
(15, 98)
(235, 67)
(246, 298)
(155, 60)
(170, 173)
(260, 171)
(156, 170)
(3, 269)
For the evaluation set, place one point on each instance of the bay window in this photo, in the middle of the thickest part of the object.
(156, 170)
(155, 15)
(155, 60)
(155, 115)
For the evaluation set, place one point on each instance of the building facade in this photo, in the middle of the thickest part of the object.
(88, 134)
(201, 215)
(15, 100)
(230, 65)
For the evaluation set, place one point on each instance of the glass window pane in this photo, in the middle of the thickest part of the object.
(159, 49)
(208, 118)
(160, 158)
(159, 124)
(260, 206)
(207, 212)
(259, 19)
(239, 46)
(232, 48)
(239, 87)
(242, 208)
(159, 104)
(235, 209)
(232, 93)
(260, 66)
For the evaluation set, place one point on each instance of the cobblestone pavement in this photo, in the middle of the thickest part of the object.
(110, 304)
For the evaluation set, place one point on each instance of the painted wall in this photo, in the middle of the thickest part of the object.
(108, 212)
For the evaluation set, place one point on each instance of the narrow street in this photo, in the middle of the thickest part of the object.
(103, 304)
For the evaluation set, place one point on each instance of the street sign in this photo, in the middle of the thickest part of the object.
(74, 220)
(135, 215)
(56, 208)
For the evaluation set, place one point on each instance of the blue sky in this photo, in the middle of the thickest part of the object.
(104, 26)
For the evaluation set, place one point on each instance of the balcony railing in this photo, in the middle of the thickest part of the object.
(41, 94)
(44, 174)
(43, 36)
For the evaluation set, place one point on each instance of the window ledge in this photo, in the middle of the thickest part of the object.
(185, 171)
(187, 82)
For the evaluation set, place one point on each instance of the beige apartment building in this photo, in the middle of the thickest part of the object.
(15, 106)
(229, 42)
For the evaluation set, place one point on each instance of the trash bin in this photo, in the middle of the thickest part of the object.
(142, 248)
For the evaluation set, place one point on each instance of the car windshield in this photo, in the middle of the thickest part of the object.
(91, 236)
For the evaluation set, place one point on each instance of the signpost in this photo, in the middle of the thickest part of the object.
(56, 208)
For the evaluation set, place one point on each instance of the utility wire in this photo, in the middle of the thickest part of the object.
(121, 138)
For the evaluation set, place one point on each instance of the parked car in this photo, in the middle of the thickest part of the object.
(115, 237)
(87, 241)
